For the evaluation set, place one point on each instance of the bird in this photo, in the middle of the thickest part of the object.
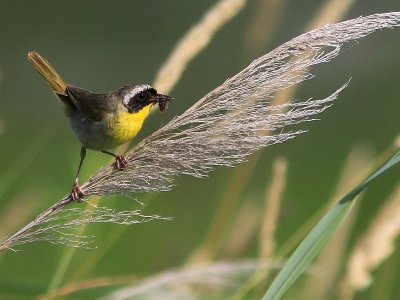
(100, 121)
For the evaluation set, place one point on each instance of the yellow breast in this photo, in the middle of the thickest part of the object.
(127, 125)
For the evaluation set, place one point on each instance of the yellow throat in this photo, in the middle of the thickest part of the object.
(127, 125)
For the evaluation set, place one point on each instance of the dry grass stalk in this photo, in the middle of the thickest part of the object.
(194, 41)
(322, 282)
(1, 126)
(273, 199)
(222, 129)
(261, 26)
(17, 213)
(331, 11)
(224, 214)
(374, 246)
(242, 230)
(89, 284)
(396, 143)
(24, 158)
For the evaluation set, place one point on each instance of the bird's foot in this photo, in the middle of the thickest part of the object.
(77, 194)
(120, 162)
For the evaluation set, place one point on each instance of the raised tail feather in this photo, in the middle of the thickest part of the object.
(47, 71)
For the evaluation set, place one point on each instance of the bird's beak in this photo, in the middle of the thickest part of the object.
(161, 100)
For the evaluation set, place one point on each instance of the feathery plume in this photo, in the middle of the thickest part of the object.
(226, 125)
(221, 128)
(194, 282)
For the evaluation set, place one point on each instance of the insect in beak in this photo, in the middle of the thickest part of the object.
(162, 101)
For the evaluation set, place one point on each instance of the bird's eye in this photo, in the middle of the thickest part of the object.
(141, 96)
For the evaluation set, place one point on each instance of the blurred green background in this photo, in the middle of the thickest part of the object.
(102, 45)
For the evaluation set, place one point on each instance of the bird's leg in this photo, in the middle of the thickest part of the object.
(76, 193)
(120, 160)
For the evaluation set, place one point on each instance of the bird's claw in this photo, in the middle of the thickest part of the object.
(120, 162)
(77, 194)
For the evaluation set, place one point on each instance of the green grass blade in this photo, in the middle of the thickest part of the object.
(319, 235)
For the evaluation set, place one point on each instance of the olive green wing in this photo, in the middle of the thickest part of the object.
(95, 107)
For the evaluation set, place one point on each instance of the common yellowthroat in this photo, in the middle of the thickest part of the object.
(101, 121)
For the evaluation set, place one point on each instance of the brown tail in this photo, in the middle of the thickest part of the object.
(47, 71)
